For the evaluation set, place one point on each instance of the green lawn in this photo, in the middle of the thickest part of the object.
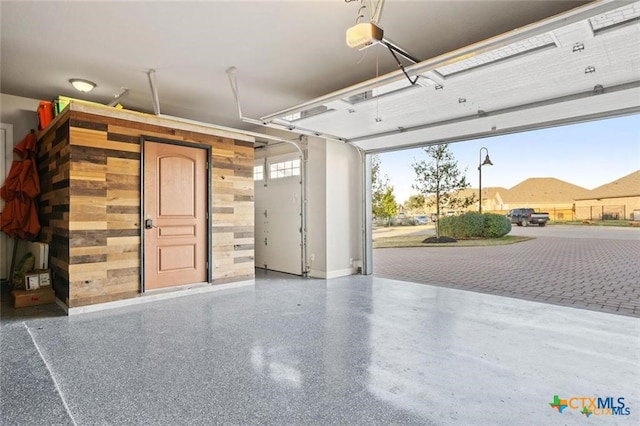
(416, 241)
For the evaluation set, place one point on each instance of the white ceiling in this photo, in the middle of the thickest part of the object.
(286, 53)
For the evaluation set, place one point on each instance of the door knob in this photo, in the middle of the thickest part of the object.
(148, 224)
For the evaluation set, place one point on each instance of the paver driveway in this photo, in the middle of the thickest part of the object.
(593, 268)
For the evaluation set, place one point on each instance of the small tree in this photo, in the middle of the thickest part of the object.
(439, 175)
(383, 201)
(387, 206)
(375, 173)
(415, 203)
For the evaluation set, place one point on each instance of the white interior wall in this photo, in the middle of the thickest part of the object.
(317, 208)
(334, 204)
(344, 209)
(6, 146)
(21, 113)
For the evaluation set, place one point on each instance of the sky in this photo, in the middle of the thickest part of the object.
(586, 154)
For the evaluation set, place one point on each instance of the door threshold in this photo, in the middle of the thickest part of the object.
(160, 294)
(174, 288)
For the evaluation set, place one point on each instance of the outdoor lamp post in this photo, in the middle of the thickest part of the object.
(486, 162)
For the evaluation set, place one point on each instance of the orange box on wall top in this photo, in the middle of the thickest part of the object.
(45, 114)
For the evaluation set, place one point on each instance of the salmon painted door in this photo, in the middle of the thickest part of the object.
(175, 215)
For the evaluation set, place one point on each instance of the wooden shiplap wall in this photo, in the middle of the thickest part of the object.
(54, 167)
(102, 214)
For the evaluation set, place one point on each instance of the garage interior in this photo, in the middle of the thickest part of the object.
(344, 347)
(503, 68)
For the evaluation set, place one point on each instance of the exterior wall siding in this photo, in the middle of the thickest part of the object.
(596, 209)
(103, 196)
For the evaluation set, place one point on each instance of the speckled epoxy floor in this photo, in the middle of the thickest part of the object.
(357, 350)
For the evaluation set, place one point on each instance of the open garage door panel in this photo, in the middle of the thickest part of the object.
(578, 66)
(278, 214)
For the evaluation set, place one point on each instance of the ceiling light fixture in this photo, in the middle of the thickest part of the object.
(578, 47)
(82, 85)
(589, 70)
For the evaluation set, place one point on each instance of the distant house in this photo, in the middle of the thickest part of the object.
(491, 198)
(448, 210)
(543, 194)
(619, 199)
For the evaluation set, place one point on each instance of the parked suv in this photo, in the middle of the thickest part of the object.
(526, 217)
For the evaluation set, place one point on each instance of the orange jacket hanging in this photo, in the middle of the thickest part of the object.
(22, 186)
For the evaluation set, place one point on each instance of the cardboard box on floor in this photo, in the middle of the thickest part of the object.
(35, 279)
(25, 298)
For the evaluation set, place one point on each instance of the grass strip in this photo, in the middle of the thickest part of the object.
(416, 241)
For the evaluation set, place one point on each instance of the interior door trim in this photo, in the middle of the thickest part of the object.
(209, 226)
(7, 159)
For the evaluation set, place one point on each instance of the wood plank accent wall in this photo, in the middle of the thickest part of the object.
(53, 209)
(102, 217)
